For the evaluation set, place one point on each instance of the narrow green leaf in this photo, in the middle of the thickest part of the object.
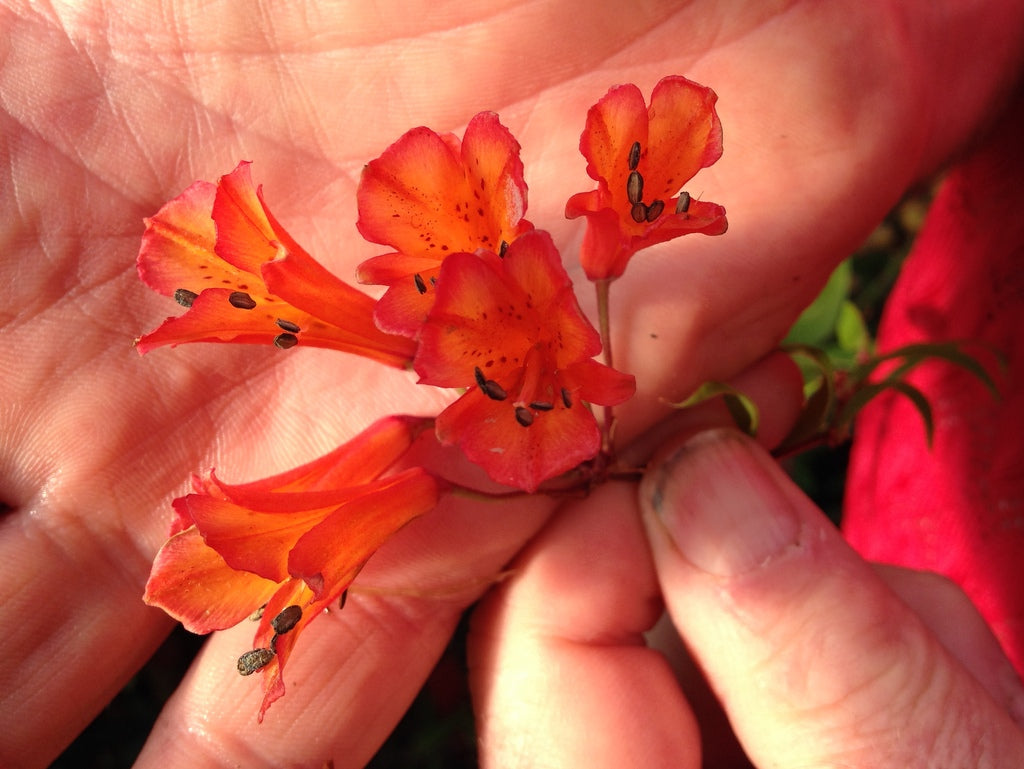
(817, 357)
(741, 408)
(867, 393)
(915, 354)
(743, 411)
(920, 401)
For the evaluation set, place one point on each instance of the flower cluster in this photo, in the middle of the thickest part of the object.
(476, 300)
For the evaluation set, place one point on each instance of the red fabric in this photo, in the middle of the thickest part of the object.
(956, 508)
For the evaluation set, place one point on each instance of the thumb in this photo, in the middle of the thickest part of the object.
(816, 662)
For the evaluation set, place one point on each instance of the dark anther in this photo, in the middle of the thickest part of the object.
(491, 389)
(683, 202)
(542, 406)
(634, 156)
(285, 341)
(254, 660)
(343, 600)
(184, 297)
(494, 391)
(241, 300)
(635, 187)
(524, 416)
(433, 280)
(287, 325)
(421, 286)
(654, 209)
(639, 213)
(287, 619)
(566, 398)
(503, 248)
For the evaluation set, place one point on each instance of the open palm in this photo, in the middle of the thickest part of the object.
(829, 113)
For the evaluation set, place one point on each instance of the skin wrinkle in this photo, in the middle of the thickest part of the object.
(516, 10)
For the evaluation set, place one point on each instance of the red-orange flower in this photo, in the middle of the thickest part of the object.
(510, 330)
(430, 195)
(291, 543)
(219, 252)
(641, 157)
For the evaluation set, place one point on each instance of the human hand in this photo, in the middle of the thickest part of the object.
(817, 658)
(110, 110)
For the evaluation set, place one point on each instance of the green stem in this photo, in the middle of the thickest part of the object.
(604, 318)
(602, 287)
(458, 490)
(465, 492)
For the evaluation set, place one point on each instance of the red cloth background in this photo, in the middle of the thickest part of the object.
(958, 507)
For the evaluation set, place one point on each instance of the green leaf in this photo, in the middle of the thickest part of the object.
(817, 322)
(742, 409)
(866, 394)
(852, 332)
(815, 365)
(915, 354)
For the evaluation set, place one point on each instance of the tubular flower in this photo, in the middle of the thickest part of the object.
(641, 157)
(430, 195)
(510, 330)
(291, 544)
(219, 252)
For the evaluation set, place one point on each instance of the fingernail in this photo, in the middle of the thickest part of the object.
(721, 500)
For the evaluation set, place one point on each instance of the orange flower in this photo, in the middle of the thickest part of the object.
(510, 330)
(641, 157)
(219, 252)
(291, 543)
(430, 195)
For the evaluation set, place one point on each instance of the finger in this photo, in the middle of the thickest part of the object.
(354, 671)
(577, 603)
(558, 666)
(947, 611)
(798, 635)
(75, 629)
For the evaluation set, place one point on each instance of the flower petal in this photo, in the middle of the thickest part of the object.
(618, 120)
(535, 266)
(490, 312)
(293, 592)
(597, 383)
(641, 157)
(490, 435)
(255, 541)
(429, 196)
(684, 135)
(341, 316)
(245, 280)
(329, 555)
(480, 320)
(359, 460)
(177, 250)
(193, 584)
(245, 237)
(213, 318)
